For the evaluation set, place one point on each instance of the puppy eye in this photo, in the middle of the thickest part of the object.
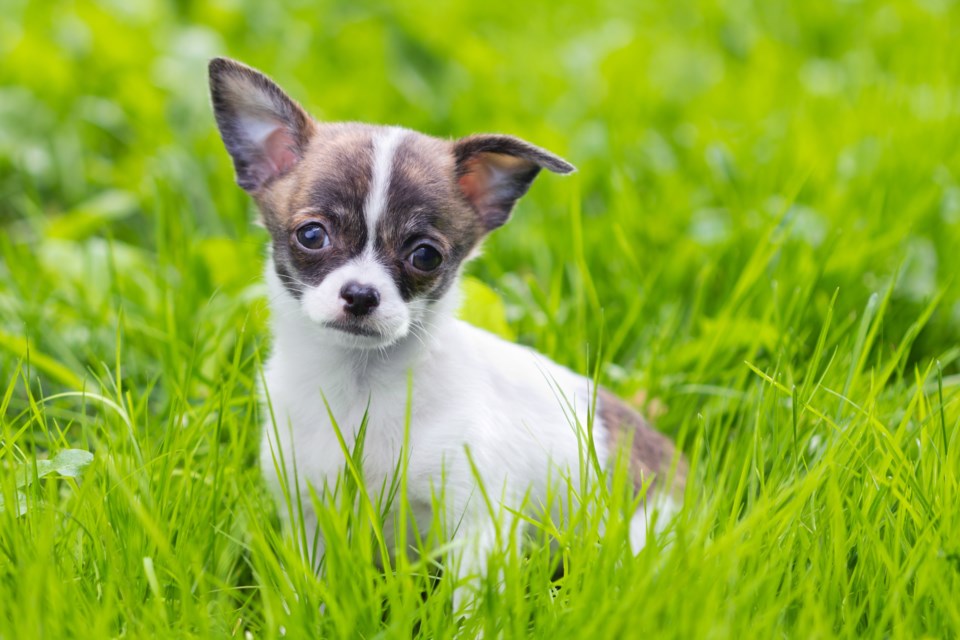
(425, 258)
(312, 236)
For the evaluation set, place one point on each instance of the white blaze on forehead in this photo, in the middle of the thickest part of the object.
(384, 149)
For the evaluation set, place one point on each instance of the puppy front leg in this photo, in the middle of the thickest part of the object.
(479, 534)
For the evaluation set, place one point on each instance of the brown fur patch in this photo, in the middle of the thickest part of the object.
(424, 205)
(651, 453)
(329, 185)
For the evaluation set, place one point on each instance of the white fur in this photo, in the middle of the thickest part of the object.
(385, 145)
(516, 411)
(470, 389)
(391, 319)
(256, 111)
(258, 129)
(522, 418)
(656, 513)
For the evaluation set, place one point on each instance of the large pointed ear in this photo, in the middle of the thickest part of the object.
(493, 171)
(265, 131)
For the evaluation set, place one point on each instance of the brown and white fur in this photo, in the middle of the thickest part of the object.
(358, 304)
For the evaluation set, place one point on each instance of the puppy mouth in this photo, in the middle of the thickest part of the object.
(352, 328)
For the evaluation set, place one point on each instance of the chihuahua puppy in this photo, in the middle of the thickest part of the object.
(370, 227)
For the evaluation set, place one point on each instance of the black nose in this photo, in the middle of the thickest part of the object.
(359, 299)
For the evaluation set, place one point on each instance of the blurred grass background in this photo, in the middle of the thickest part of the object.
(771, 182)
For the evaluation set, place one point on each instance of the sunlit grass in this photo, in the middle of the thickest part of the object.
(759, 250)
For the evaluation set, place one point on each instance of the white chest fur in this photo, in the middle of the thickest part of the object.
(516, 412)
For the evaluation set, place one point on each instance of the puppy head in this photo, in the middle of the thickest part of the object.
(369, 224)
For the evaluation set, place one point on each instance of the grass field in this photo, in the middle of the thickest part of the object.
(759, 248)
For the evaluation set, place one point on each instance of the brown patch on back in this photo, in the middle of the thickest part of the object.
(651, 453)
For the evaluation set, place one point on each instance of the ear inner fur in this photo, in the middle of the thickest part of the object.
(494, 171)
(265, 131)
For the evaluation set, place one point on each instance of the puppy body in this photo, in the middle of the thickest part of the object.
(370, 229)
(516, 412)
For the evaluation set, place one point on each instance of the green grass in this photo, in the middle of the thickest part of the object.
(762, 237)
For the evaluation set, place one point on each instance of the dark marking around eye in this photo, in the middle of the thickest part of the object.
(423, 203)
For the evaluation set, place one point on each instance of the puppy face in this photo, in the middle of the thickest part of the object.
(369, 224)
